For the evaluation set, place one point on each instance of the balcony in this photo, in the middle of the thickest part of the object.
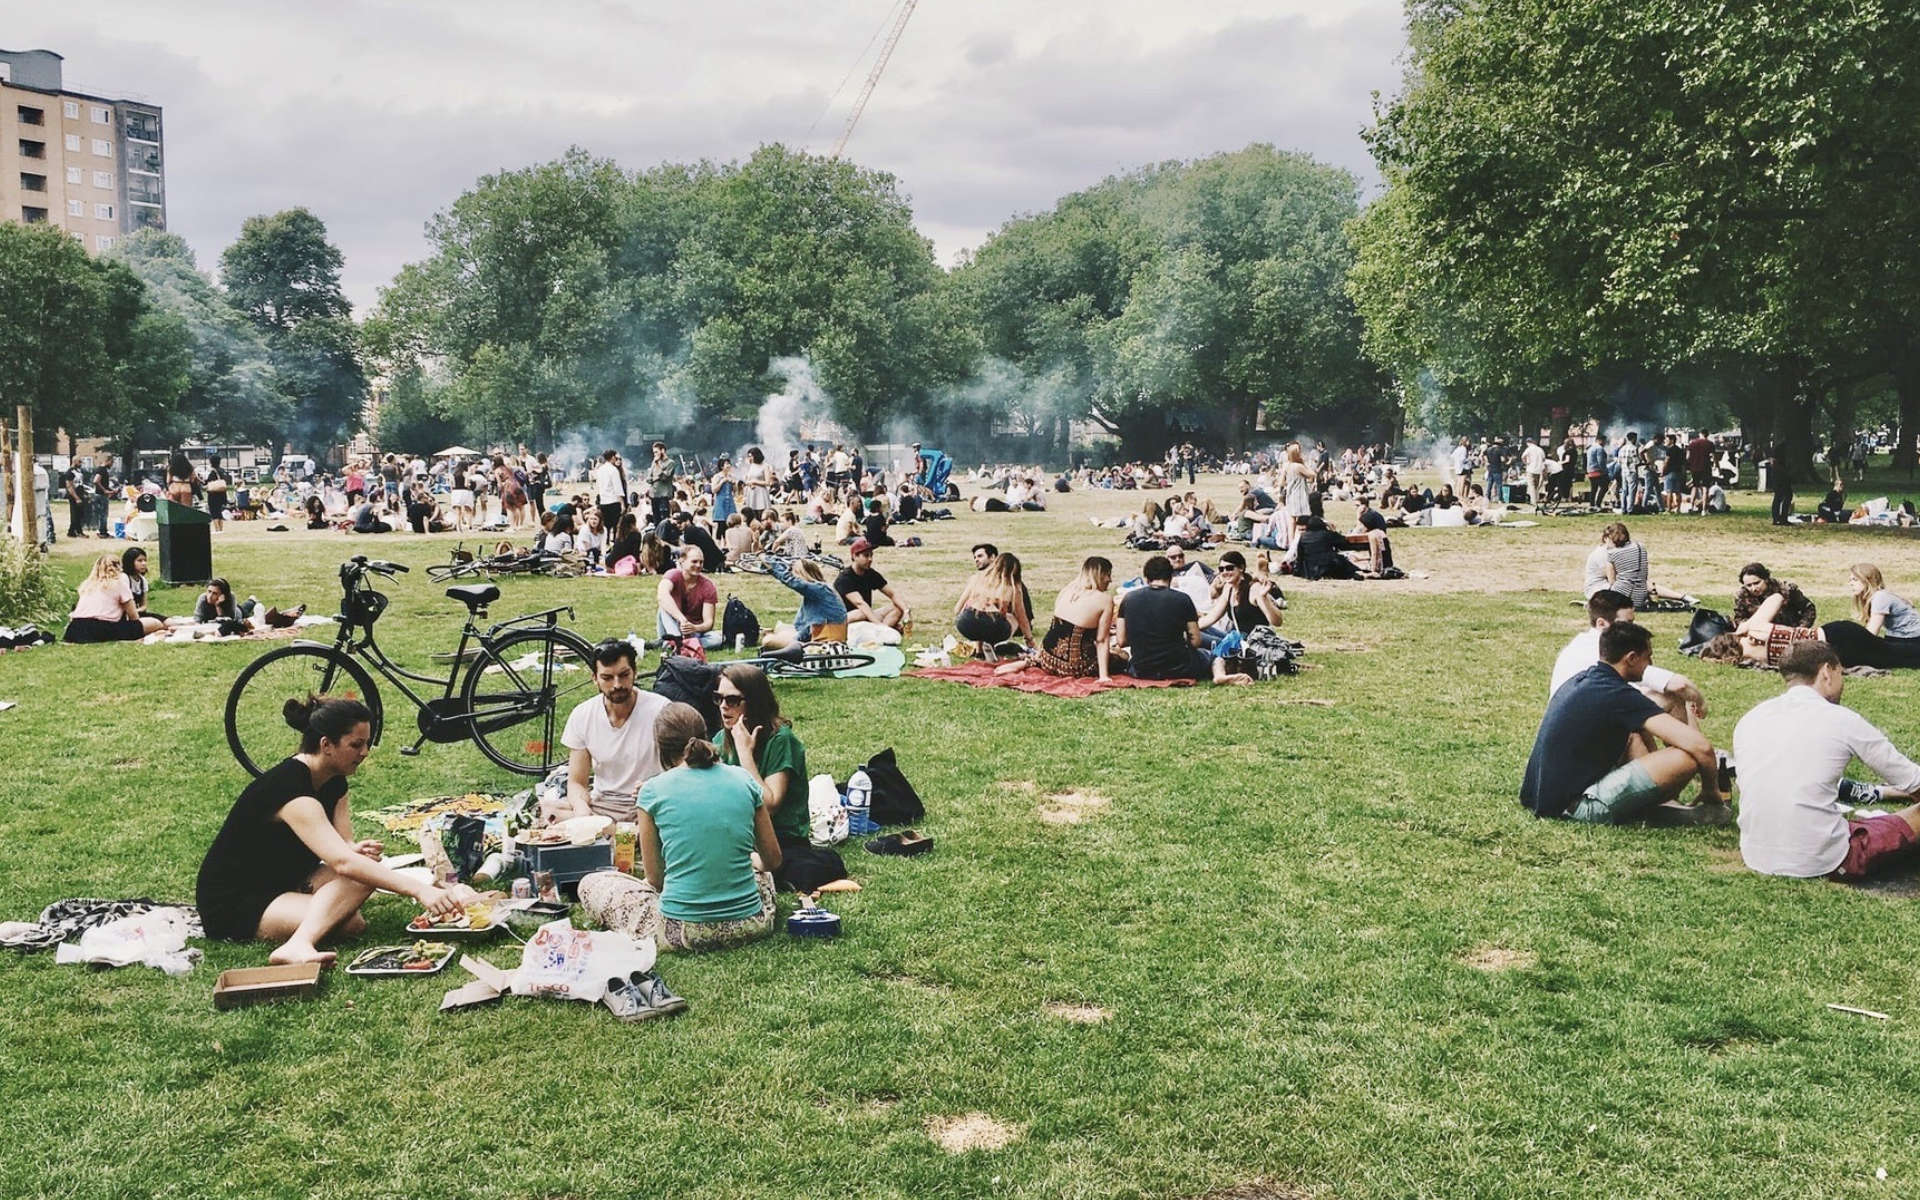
(143, 158)
(32, 183)
(32, 149)
(31, 116)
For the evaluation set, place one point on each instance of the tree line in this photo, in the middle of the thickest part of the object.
(1636, 210)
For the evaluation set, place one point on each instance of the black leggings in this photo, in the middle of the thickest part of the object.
(989, 627)
(1782, 505)
(1857, 647)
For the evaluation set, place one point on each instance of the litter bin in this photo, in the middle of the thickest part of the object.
(186, 543)
(1766, 471)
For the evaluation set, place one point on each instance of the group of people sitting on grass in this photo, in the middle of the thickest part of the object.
(1773, 616)
(1621, 740)
(111, 605)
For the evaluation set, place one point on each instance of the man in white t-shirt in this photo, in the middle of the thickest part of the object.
(611, 738)
(1669, 689)
(1793, 751)
(1533, 462)
(610, 489)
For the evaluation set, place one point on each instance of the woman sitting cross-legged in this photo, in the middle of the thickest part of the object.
(756, 738)
(706, 841)
(104, 611)
(1075, 644)
(285, 866)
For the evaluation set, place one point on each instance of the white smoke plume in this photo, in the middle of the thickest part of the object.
(799, 411)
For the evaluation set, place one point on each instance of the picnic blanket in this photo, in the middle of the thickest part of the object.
(886, 664)
(65, 920)
(979, 674)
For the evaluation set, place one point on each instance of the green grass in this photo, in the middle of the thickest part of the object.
(1275, 910)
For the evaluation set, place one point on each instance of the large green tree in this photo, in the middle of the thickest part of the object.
(1587, 197)
(284, 275)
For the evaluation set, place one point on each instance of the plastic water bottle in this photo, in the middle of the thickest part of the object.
(859, 798)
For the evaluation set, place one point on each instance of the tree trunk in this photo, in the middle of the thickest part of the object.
(25, 525)
(1906, 382)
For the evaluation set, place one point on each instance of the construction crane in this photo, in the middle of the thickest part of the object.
(873, 78)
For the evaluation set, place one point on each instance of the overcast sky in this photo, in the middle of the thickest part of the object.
(377, 114)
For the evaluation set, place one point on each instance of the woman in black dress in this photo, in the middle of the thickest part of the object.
(285, 866)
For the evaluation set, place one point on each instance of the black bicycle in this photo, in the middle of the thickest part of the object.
(522, 679)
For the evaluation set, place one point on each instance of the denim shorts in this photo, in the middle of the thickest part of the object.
(1621, 795)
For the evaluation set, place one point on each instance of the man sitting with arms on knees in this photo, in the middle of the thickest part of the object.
(611, 738)
(860, 583)
(1792, 751)
(1595, 758)
(688, 601)
(1161, 628)
(1669, 689)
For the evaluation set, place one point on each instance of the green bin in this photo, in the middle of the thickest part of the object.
(186, 542)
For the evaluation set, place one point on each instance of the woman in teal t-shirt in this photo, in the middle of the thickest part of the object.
(701, 824)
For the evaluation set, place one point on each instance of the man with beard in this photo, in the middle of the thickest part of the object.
(611, 738)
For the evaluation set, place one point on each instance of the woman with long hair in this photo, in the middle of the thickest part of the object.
(1764, 600)
(1240, 597)
(1619, 563)
(820, 605)
(993, 605)
(285, 866)
(721, 487)
(1076, 642)
(179, 479)
(707, 842)
(758, 739)
(1296, 487)
(104, 611)
(758, 481)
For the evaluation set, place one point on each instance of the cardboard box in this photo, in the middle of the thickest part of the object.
(254, 985)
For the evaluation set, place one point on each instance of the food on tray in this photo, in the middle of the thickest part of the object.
(421, 956)
(429, 921)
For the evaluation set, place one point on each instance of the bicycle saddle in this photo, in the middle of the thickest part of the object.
(474, 595)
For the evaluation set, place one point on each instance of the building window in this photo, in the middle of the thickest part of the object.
(32, 183)
(33, 216)
(32, 149)
(102, 116)
(76, 175)
(103, 212)
(76, 208)
(102, 148)
(72, 109)
(143, 126)
(31, 116)
(103, 242)
(73, 142)
(103, 179)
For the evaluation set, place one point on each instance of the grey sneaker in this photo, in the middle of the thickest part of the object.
(1860, 795)
(625, 1001)
(656, 995)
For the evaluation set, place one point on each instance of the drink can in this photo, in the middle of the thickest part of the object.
(523, 888)
(739, 642)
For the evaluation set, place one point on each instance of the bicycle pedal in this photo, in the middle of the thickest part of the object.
(410, 751)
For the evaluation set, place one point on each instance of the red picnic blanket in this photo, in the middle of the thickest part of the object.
(1033, 679)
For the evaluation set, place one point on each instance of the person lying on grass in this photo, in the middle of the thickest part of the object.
(1160, 628)
(1599, 755)
(1793, 751)
(285, 866)
(216, 603)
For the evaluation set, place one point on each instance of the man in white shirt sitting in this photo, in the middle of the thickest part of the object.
(1792, 751)
(611, 738)
(1669, 689)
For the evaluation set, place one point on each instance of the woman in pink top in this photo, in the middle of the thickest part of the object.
(104, 610)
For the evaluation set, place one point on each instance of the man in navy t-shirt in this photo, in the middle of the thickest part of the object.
(1596, 759)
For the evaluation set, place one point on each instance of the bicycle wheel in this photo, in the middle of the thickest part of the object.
(752, 564)
(824, 665)
(256, 722)
(520, 692)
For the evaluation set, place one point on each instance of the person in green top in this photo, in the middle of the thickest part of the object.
(757, 738)
(706, 841)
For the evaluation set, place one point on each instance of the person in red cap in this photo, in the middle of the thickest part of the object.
(868, 595)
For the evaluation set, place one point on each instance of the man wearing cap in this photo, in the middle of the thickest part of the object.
(858, 586)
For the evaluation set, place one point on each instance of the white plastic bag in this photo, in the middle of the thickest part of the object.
(826, 815)
(872, 633)
(156, 938)
(564, 963)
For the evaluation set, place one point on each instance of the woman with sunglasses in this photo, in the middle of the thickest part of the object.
(1239, 598)
(757, 739)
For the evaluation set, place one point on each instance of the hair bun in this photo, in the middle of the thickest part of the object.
(701, 753)
(297, 713)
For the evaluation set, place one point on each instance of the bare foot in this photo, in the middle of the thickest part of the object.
(300, 952)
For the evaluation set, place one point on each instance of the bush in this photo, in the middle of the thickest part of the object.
(31, 591)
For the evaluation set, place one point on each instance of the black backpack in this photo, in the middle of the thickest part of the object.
(737, 623)
(690, 682)
(894, 801)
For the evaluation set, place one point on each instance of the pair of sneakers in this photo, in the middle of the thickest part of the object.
(642, 996)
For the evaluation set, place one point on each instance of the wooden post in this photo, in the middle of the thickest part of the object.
(24, 517)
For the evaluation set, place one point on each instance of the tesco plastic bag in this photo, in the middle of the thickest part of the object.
(564, 963)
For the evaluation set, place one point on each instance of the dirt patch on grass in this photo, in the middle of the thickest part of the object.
(1258, 1189)
(1071, 808)
(1078, 1014)
(1308, 702)
(1725, 860)
(971, 1131)
(1499, 958)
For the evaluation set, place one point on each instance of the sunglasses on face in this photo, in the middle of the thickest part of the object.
(729, 698)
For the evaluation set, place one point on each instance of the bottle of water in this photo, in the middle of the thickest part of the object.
(859, 798)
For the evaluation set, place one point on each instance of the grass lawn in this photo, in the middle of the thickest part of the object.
(1325, 951)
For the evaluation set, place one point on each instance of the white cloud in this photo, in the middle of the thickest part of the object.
(376, 114)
